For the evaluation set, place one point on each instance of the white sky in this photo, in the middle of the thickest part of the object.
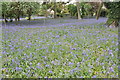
(59, 0)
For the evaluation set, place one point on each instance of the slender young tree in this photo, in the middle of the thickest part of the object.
(78, 10)
(55, 9)
(99, 9)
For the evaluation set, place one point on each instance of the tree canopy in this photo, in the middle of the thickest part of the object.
(15, 10)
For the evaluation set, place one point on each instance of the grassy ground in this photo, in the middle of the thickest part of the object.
(60, 52)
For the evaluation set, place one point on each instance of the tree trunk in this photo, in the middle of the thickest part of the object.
(29, 14)
(99, 10)
(18, 18)
(11, 20)
(78, 10)
(15, 19)
(114, 23)
(29, 17)
(55, 10)
(6, 20)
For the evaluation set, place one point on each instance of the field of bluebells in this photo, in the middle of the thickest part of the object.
(59, 48)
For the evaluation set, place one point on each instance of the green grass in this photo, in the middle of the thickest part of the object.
(60, 52)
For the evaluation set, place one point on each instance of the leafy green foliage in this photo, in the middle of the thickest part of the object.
(88, 9)
(5, 9)
(72, 9)
(113, 12)
(17, 9)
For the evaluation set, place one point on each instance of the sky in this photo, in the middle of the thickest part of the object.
(71, 1)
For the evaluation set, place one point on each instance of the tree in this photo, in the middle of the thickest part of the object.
(72, 9)
(15, 10)
(0, 10)
(99, 10)
(95, 6)
(31, 8)
(55, 10)
(78, 10)
(88, 9)
(113, 13)
(5, 10)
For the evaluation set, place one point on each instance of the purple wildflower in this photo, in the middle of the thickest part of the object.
(18, 69)
(50, 72)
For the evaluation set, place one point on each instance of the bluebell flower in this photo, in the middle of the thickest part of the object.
(72, 71)
(29, 43)
(83, 53)
(53, 51)
(38, 64)
(30, 63)
(38, 67)
(53, 62)
(94, 76)
(81, 76)
(119, 67)
(102, 63)
(57, 36)
(50, 72)
(111, 69)
(110, 52)
(70, 63)
(73, 48)
(13, 60)
(47, 65)
(18, 68)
